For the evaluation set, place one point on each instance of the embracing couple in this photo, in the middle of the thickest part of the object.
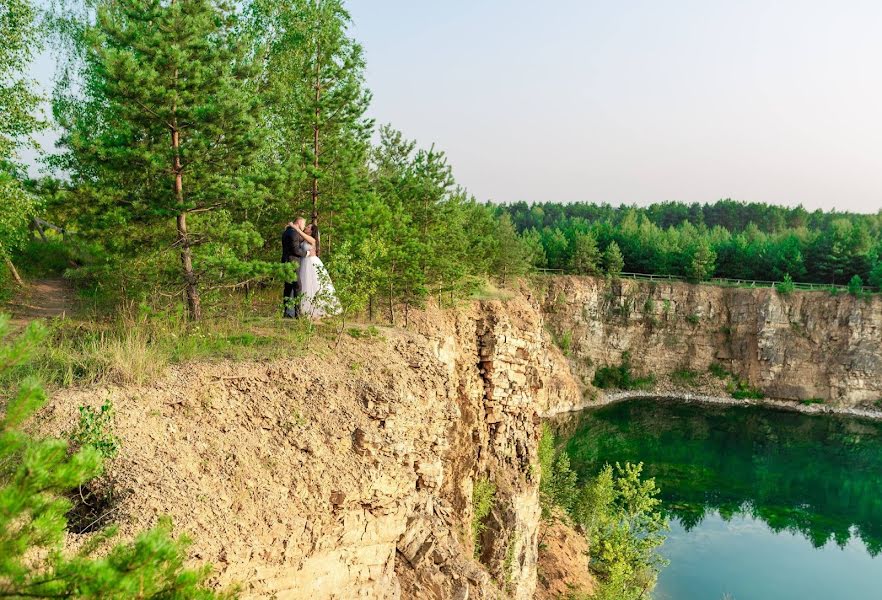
(312, 295)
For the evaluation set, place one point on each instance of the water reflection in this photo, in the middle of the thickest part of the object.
(820, 476)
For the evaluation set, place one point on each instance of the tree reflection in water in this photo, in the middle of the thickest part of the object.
(820, 476)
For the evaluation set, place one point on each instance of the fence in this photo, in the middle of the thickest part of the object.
(726, 282)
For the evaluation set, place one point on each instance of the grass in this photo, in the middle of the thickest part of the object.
(685, 377)
(621, 377)
(483, 499)
(810, 401)
(135, 346)
(719, 371)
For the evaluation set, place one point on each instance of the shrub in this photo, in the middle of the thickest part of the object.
(620, 377)
(856, 286)
(483, 498)
(565, 342)
(95, 430)
(36, 476)
(742, 390)
(557, 481)
(718, 370)
(693, 319)
(786, 287)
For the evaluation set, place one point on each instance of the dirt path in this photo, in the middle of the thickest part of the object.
(42, 299)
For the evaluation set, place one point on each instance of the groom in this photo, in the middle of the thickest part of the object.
(292, 252)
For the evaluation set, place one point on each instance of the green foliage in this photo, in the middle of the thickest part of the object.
(856, 286)
(742, 390)
(565, 342)
(613, 261)
(483, 499)
(621, 377)
(95, 430)
(355, 273)
(162, 134)
(685, 377)
(21, 36)
(810, 401)
(17, 208)
(786, 287)
(35, 477)
(724, 239)
(619, 512)
(703, 262)
(622, 517)
(557, 482)
(719, 371)
(586, 257)
(693, 319)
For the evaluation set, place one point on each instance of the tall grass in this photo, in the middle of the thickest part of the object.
(137, 345)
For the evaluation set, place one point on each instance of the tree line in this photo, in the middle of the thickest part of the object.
(191, 131)
(726, 239)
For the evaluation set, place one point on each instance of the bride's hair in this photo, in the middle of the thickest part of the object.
(314, 232)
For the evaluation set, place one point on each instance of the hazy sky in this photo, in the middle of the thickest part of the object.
(635, 101)
(638, 101)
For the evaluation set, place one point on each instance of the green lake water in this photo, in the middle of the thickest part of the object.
(764, 504)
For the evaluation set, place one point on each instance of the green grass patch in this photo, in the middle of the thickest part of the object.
(685, 377)
(621, 376)
(483, 499)
(810, 401)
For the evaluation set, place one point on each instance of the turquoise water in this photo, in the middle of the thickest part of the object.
(764, 504)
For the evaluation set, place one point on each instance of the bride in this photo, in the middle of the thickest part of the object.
(318, 296)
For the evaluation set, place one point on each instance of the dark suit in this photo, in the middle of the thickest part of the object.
(291, 252)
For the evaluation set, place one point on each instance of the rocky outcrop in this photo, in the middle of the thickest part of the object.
(801, 346)
(349, 474)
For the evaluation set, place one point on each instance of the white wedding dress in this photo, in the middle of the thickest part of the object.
(319, 298)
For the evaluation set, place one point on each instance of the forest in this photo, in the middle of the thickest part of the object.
(192, 132)
(726, 239)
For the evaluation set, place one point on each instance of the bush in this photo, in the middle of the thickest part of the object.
(618, 511)
(620, 377)
(742, 390)
(36, 475)
(856, 286)
(718, 370)
(483, 498)
(95, 430)
(557, 482)
(786, 287)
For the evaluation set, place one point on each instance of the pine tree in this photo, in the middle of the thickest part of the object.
(613, 260)
(509, 254)
(703, 262)
(586, 257)
(36, 476)
(165, 130)
(316, 73)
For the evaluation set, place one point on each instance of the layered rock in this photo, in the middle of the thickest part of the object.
(800, 346)
(348, 474)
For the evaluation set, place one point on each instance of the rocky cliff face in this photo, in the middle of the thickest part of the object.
(805, 345)
(349, 474)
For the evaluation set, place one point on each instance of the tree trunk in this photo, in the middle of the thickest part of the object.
(315, 131)
(194, 308)
(14, 271)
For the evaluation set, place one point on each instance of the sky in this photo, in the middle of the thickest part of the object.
(635, 101)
